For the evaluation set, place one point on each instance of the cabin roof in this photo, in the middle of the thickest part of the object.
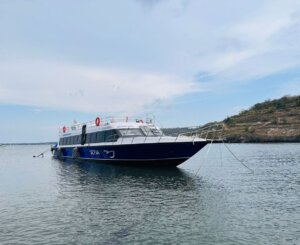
(105, 124)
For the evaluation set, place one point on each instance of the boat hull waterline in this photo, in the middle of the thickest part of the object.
(151, 154)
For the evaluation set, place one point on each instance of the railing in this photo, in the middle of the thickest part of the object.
(104, 121)
(210, 132)
(213, 131)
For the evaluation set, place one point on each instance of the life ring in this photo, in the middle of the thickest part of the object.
(64, 129)
(97, 121)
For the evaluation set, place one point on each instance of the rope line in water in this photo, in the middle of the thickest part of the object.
(155, 215)
(230, 151)
(240, 161)
(205, 157)
(42, 154)
(221, 155)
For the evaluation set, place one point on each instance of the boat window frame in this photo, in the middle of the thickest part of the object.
(111, 135)
(93, 138)
(126, 130)
(147, 131)
(88, 138)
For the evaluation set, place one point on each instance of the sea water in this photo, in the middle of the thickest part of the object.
(210, 199)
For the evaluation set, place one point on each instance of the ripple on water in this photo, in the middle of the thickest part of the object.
(46, 201)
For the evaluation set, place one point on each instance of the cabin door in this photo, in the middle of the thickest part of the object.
(83, 134)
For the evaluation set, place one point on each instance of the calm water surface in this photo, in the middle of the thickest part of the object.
(210, 199)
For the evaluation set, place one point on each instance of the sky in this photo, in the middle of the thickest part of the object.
(184, 62)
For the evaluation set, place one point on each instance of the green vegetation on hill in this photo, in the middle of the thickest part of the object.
(271, 121)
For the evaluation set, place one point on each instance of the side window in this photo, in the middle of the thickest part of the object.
(88, 138)
(111, 136)
(75, 139)
(115, 135)
(60, 141)
(78, 139)
(107, 137)
(132, 132)
(93, 137)
(100, 136)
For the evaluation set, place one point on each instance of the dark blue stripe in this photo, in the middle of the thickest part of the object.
(138, 151)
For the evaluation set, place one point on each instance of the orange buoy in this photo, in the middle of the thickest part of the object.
(97, 121)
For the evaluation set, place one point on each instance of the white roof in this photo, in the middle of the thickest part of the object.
(105, 124)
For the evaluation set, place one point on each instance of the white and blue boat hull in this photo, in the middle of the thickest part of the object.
(144, 154)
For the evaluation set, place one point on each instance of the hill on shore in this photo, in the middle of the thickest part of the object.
(270, 121)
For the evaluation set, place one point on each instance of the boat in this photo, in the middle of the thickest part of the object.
(125, 141)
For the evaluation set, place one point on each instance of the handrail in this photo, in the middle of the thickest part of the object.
(104, 121)
(200, 132)
(214, 129)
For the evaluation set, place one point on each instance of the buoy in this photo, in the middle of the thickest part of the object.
(97, 121)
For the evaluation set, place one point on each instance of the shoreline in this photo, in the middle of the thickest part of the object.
(215, 142)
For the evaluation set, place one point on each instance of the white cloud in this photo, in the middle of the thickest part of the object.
(36, 110)
(262, 43)
(230, 59)
(86, 89)
(237, 41)
(267, 21)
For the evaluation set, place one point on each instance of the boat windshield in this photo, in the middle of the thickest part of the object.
(131, 132)
(151, 131)
(147, 131)
(157, 132)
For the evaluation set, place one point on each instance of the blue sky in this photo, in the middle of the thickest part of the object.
(187, 62)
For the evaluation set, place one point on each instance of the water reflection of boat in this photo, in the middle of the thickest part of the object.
(125, 142)
(87, 172)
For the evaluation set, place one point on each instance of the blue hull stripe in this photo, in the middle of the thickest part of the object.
(156, 152)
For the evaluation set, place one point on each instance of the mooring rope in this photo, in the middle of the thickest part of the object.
(42, 154)
(221, 155)
(240, 161)
(205, 157)
(230, 151)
